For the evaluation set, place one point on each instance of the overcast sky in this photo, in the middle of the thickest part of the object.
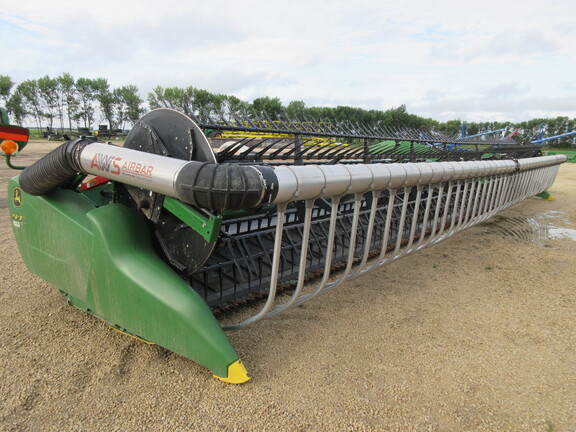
(477, 61)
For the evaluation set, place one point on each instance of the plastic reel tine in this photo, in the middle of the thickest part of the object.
(277, 152)
(262, 152)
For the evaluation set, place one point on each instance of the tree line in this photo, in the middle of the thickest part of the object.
(61, 101)
(64, 101)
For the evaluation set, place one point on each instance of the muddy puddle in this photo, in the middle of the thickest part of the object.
(537, 228)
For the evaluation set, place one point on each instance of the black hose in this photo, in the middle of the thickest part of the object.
(57, 168)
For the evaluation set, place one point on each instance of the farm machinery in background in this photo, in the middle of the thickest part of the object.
(161, 235)
(14, 138)
(542, 140)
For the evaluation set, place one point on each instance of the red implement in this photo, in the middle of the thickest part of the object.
(14, 133)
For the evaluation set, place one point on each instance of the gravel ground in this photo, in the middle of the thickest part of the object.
(475, 334)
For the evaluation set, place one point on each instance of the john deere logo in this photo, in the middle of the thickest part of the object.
(17, 197)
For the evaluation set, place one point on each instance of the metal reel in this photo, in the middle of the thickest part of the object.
(169, 133)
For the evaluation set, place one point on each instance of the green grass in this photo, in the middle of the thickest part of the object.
(570, 153)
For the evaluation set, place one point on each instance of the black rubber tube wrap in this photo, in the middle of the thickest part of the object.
(57, 168)
(226, 186)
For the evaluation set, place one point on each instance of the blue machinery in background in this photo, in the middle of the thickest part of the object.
(541, 140)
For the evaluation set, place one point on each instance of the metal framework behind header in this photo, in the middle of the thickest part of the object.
(260, 139)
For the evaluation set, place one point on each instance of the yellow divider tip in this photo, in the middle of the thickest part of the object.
(550, 198)
(237, 374)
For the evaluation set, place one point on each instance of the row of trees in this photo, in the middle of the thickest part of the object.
(64, 100)
(203, 104)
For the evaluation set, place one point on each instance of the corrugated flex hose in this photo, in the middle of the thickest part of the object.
(57, 168)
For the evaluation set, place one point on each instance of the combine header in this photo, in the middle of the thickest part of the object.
(170, 230)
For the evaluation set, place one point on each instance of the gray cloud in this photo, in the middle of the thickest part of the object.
(504, 45)
(513, 107)
(84, 37)
(531, 42)
(503, 91)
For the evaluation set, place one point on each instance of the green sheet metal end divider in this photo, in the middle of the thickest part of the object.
(99, 259)
(545, 195)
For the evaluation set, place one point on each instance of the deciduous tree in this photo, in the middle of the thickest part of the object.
(49, 98)
(6, 85)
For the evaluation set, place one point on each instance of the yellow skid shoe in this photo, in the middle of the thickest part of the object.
(237, 374)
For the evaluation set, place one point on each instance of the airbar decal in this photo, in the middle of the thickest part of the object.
(120, 166)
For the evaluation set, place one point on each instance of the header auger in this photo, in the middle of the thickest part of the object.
(170, 231)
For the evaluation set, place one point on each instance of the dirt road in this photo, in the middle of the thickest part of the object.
(475, 334)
